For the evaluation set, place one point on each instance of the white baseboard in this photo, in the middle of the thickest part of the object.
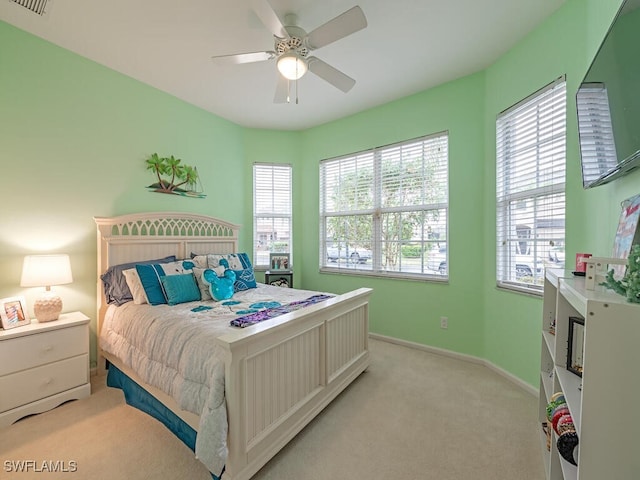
(460, 356)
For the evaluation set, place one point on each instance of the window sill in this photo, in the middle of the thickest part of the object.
(389, 275)
(514, 288)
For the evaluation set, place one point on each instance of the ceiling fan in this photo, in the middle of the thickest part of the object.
(292, 45)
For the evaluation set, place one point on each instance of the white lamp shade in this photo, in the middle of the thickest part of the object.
(46, 270)
(291, 66)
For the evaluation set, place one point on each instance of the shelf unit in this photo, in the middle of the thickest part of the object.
(604, 400)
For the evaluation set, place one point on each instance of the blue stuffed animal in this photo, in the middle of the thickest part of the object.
(221, 288)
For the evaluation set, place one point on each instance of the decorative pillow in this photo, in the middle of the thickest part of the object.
(220, 287)
(116, 290)
(180, 288)
(241, 266)
(200, 261)
(202, 285)
(150, 275)
(135, 285)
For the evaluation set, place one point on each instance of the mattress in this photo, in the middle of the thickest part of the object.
(173, 348)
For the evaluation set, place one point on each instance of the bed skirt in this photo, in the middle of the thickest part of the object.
(139, 398)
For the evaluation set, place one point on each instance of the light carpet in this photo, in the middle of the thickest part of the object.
(413, 415)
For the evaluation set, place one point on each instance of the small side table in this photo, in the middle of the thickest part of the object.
(279, 278)
(43, 365)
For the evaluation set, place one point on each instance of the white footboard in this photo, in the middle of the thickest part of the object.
(281, 373)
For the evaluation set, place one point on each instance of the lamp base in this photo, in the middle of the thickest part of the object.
(47, 308)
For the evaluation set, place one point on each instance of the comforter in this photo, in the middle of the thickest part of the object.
(173, 348)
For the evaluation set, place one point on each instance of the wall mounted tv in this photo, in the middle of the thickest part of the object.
(608, 103)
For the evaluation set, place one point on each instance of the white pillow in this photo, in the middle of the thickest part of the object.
(135, 285)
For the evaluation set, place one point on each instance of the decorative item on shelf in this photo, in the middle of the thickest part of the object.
(597, 270)
(568, 446)
(173, 177)
(627, 233)
(629, 285)
(46, 271)
(13, 312)
(553, 405)
(581, 265)
(279, 261)
(559, 416)
(552, 326)
(547, 431)
(575, 345)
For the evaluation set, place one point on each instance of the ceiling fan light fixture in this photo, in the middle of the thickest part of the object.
(292, 66)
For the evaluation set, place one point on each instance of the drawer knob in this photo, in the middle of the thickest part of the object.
(47, 348)
(48, 381)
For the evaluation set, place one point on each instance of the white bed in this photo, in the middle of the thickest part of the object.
(278, 374)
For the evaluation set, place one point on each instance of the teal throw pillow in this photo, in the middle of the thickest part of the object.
(180, 288)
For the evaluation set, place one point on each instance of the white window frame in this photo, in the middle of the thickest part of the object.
(376, 213)
(530, 185)
(281, 184)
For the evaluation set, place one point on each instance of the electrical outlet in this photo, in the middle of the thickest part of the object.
(444, 322)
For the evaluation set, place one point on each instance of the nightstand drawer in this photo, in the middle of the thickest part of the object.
(30, 385)
(31, 351)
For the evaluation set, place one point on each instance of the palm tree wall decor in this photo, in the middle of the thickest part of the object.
(174, 177)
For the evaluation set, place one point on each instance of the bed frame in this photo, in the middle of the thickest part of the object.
(280, 373)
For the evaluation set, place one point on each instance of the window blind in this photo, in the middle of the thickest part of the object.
(597, 145)
(384, 211)
(272, 211)
(530, 187)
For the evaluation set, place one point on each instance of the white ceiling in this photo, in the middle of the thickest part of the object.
(408, 46)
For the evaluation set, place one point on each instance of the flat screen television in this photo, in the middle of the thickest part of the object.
(608, 103)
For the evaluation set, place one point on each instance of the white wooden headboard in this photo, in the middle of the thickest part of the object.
(145, 236)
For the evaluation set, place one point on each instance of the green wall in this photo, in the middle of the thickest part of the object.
(564, 44)
(411, 310)
(74, 135)
(73, 139)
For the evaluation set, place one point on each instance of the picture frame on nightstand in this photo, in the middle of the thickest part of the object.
(279, 261)
(13, 312)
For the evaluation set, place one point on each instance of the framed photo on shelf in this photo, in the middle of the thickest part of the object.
(13, 312)
(576, 345)
(627, 233)
(279, 261)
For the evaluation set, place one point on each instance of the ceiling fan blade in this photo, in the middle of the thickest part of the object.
(238, 58)
(268, 16)
(344, 24)
(330, 74)
(282, 90)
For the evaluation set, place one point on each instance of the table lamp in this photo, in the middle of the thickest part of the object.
(45, 271)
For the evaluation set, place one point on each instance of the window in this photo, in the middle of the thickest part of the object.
(530, 188)
(597, 145)
(384, 211)
(271, 211)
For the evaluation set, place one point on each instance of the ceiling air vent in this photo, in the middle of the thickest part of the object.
(36, 6)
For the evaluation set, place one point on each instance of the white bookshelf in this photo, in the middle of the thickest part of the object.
(604, 400)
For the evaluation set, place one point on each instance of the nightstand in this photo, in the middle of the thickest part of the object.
(279, 278)
(43, 365)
